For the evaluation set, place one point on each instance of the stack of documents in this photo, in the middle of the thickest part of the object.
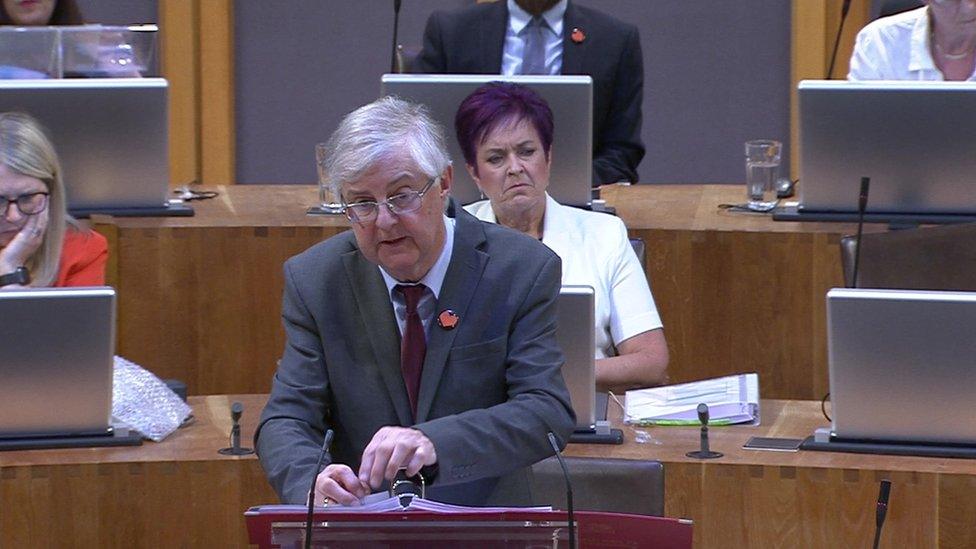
(730, 400)
(381, 502)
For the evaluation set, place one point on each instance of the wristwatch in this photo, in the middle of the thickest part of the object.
(20, 276)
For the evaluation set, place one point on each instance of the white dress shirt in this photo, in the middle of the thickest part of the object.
(896, 48)
(514, 47)
(434, 279)
(596, 252)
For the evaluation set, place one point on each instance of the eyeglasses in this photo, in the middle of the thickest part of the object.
(405, 202)
(28, 204)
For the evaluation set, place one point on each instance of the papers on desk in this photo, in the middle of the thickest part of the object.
(381, 502)
(730, 400)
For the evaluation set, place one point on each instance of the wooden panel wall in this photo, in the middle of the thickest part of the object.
(198, 59)
(197, 44)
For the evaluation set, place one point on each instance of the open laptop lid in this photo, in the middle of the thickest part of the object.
(111, 134)
(569, 97)
(575, 335)
(902, 365)
(56, 369)
(913, 139)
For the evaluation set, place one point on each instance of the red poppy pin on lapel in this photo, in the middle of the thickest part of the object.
(577, 35)
(447, 319)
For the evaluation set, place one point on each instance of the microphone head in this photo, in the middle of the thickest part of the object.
(885, 491)
(862, 198)
(703, 413)
(236, 409)
(552, 442)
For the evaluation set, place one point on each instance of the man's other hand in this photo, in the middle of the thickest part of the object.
(392, 449)
(337, 483)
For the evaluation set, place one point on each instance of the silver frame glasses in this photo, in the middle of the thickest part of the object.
(400, 203)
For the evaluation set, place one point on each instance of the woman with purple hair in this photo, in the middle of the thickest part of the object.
(505, 132)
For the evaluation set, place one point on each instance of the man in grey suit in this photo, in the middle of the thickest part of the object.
(425, 342)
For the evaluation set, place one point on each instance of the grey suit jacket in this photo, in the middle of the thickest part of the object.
(470, 40)
(491, 388)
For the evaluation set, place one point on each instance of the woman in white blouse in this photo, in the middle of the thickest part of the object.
(505, 132)
(934, 42)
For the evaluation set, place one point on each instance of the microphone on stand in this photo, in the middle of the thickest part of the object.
(569, 490)
(862, 205)
(235, 449)
(881, 511)
(843, 17)
(396, 30)
(704, 452)
(311, 491)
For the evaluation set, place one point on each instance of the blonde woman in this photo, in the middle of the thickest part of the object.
(40, 244)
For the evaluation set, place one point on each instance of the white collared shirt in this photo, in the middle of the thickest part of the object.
(514, 48)
(896, 48)
(596, 252)
(434, 279)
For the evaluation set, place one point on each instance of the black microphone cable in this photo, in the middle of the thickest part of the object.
(569, 490)
(862, 205)
(843, 17)
(311, 492)
(396, 30)
(881, 511)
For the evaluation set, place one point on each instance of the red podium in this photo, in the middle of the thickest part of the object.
(284, 526)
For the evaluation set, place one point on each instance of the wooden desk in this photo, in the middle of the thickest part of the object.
(737, 292)
(178, 493)
(752, 498)
(200, 297)
(182, 493)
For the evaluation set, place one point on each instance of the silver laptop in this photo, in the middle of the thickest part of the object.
(111, 135)
(569, 97)
(902, 365)
(913, 139)
(56, 366)
(575, 335)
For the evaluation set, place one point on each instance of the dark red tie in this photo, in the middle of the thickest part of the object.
(413, 345)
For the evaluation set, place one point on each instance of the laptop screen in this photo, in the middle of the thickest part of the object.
(569, 97)
(111, 135)
(578, 341)
(902, 365)
(913, 139)
(58, 347)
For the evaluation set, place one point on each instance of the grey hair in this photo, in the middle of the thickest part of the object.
(384, 129)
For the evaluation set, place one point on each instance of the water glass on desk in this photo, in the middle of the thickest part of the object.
(329, 200)
(762, 170)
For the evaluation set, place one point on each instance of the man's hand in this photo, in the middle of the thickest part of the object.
(338, 483)
(392, 449)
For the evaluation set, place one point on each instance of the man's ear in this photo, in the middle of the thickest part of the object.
(447, 180)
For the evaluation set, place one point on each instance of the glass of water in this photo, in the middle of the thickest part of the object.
(329, 202)
(762, 170)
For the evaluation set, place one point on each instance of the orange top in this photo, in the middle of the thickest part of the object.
(83, 259)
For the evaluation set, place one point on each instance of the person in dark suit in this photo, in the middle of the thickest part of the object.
(425, 342)
(492, 38)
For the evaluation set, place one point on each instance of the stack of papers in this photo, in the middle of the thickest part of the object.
(730, 400)
(381, 502)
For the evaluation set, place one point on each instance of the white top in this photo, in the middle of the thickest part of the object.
(434, 279)
(514, 47)
(596, 252)
(896, 48)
